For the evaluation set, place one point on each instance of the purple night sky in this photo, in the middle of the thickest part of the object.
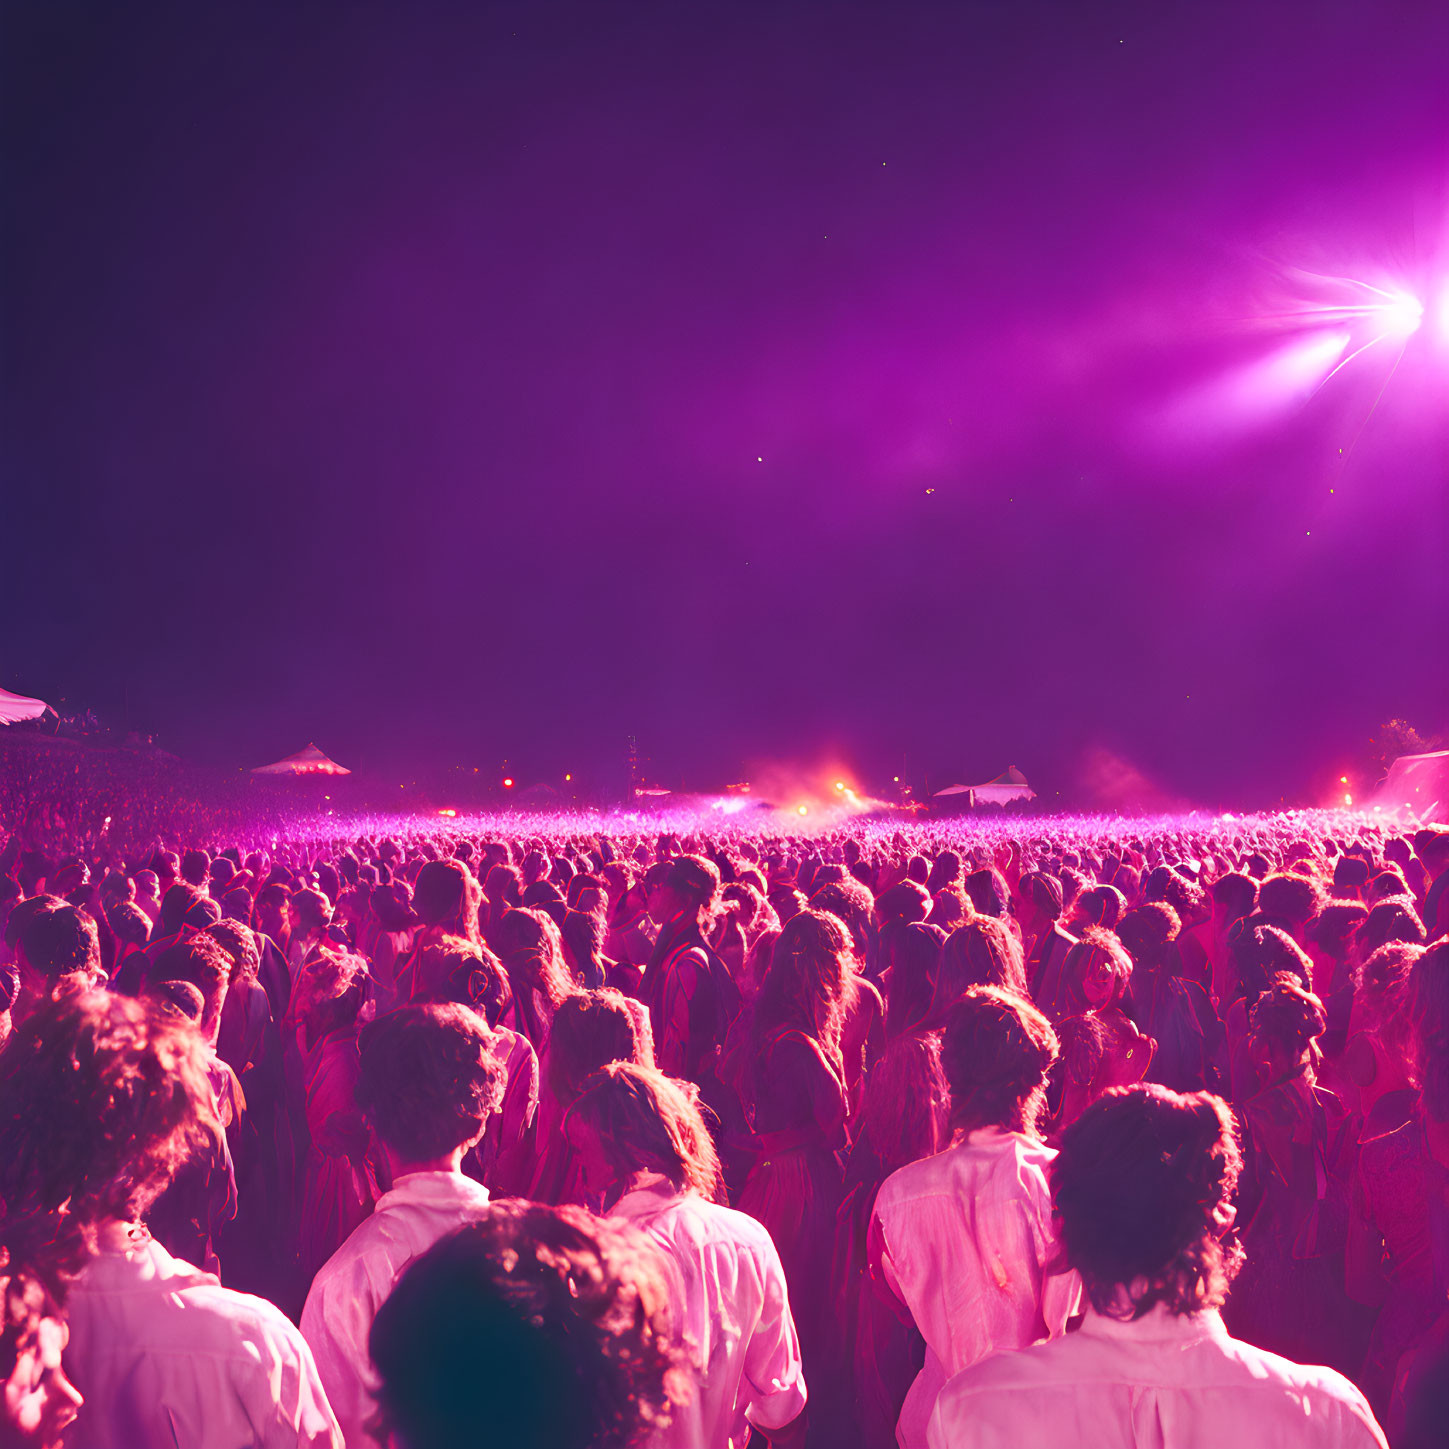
(766, 380)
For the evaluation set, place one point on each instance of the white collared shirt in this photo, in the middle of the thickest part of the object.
(165, 1355)
(1164, 1382)
(352, 1284)
(736, 1317)
(964, 1239)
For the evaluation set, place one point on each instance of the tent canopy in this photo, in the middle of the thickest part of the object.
(17, 707)
(310, 761)
(1009, 785)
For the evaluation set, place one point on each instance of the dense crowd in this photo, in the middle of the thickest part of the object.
(559, 1133)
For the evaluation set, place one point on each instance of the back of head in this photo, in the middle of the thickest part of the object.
(61, 942)
(590, 1030)
(428, 1079)
(203, 962)
(996, 1052)
(534, 1328)
(647, 1122)
(983, 952)
(101, 1098)
(1142, 1187)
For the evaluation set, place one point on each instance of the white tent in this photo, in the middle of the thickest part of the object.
(1008, 786)
(310, 761)
(17, 707)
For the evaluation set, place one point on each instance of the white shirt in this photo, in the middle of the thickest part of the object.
(963, 1239)
(166, 1356)
(736, 1316)
(1163, 1382)
(351, 1285)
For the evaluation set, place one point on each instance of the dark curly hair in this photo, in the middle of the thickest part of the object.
(534, 1328)
(1288, 1016)
(983, 952)
(996, 1052)
(428, 1079)
(1141, 1188)
(102, 1097)
(590, 1030)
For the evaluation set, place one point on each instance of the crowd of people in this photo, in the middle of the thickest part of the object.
(1031, 1132)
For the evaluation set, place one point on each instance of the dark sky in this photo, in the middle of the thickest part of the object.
(460, 382)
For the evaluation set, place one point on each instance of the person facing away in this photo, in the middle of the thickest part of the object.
(101, 1098)
(640, 1138)
(964, 1239)
(533, 1328)
(427, 1083)
(1143, 1189)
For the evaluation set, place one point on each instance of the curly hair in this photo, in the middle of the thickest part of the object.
(1391, 919)
(61, 942)
(534, 1328)
(983, 952)
(428, 1079)
(1093, 947)
(590, 1030)
(1148, 930)
(1288, 1016)
(1141, 1187)
(645, 1120)
(102, 1097)
(1381, 991)
(203, 961)
(996, 1052)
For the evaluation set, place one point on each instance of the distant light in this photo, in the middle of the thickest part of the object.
(1227, 815)
(508, 782)
(1347, 798)
(449, 813)
(1343, 779)
(897, 779)
(568, 777)
(803, 810)
(326, 797)
(840, 784)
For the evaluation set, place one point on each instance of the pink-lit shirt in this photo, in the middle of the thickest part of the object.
(165, 1355)
(351, 1286)
(736, 1317)
(1164, 1382)
(963, 1239)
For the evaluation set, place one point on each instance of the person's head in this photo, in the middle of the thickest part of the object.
(984, 952)
(911, 952)
(1101, 905)
(240, 945)
(59, 947)
(1147, 931)
(996, 1052)
(427, 1080)
(988, 892)
(690, 888)
(1039, 900)
(1283, 1025)
(195, 868)
(1290, 901)
(531, 948)
(272, 910)
(808, 979)
(102, 1097)
(203, 961)
(128, 922)
(533, 1328)
(1394, 919)
(1234, 896)
(1142, 1188)
(628, 1119)
(1261, 953)
(309, 913)
(1331, 932)
(590, 1030)
(1096, 970)
(907, 900)
(329, 994)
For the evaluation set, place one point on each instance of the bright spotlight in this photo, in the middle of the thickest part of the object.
(840, 784)
(508, 782)
(803, 810)
(1402, 316)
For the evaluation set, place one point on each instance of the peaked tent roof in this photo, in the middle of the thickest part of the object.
(310, 761)
(1009, 776)
(16, 707)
